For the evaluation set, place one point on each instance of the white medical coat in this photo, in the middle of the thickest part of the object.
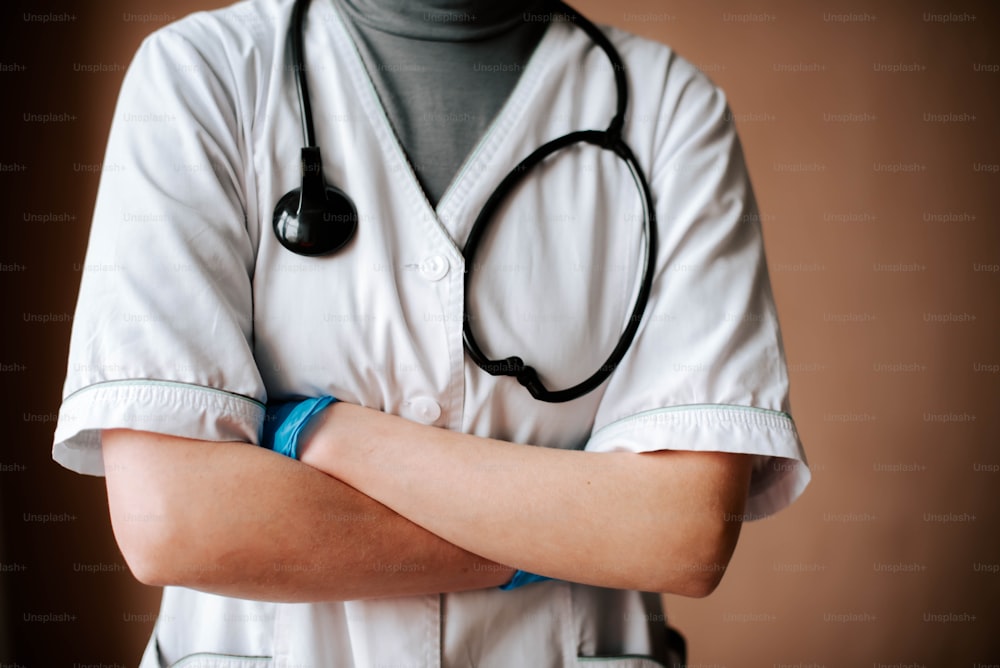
(191, 315)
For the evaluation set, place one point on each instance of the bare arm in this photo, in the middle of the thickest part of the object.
(239, 520)
(665, 521)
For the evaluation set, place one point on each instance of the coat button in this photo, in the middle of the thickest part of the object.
(425, 409)
(434, 268)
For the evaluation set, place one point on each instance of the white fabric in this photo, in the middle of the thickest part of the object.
(191, 315)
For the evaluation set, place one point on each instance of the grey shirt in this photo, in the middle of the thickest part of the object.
(442, 70)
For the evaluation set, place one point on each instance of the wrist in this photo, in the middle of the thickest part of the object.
(492, 573)
(285, 421)
(504, 574)
(317, 438)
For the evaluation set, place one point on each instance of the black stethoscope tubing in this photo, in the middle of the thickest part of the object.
(609, 139)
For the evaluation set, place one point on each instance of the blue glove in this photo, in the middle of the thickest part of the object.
(522, 578)
(283, 422)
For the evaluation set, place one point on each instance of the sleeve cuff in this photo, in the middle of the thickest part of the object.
(780, 472)
(165, 407)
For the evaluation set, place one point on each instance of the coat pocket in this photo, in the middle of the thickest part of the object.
(211, 660)
(626, 661)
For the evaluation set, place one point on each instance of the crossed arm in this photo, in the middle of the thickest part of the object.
(379, 506)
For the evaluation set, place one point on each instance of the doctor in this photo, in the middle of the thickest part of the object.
(430, 483)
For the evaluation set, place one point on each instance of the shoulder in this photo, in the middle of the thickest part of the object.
(238, 37)
(223, 58)
(250, 22)
(657, 66)
(671, 101)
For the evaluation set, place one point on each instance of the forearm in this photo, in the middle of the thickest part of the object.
(615, 519)
(238, 520)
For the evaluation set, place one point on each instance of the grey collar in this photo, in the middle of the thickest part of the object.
(441, 20)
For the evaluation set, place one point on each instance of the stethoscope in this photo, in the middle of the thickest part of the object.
(317, 218)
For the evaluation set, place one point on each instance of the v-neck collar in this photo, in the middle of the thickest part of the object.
(492, 139)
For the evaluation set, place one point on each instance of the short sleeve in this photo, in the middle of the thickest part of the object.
(707, 370)
(163, 330)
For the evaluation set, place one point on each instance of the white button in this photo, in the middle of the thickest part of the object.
(434, 268)
(425, 410)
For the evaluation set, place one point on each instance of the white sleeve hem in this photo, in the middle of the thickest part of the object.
(165, 407)
(780, 472)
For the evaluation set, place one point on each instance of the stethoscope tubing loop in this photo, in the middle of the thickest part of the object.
(514, 366)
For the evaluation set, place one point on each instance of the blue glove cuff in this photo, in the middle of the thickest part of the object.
(522, 578)
(284, 422)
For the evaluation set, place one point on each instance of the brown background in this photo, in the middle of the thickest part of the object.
(879, 195)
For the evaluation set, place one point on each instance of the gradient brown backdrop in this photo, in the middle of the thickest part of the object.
(870, 130)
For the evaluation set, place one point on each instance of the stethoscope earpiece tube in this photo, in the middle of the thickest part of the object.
(299, 66)
(614, 130)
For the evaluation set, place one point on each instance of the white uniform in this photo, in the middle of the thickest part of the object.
(191, 315)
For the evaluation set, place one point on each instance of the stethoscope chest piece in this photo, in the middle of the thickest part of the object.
(317, 218)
